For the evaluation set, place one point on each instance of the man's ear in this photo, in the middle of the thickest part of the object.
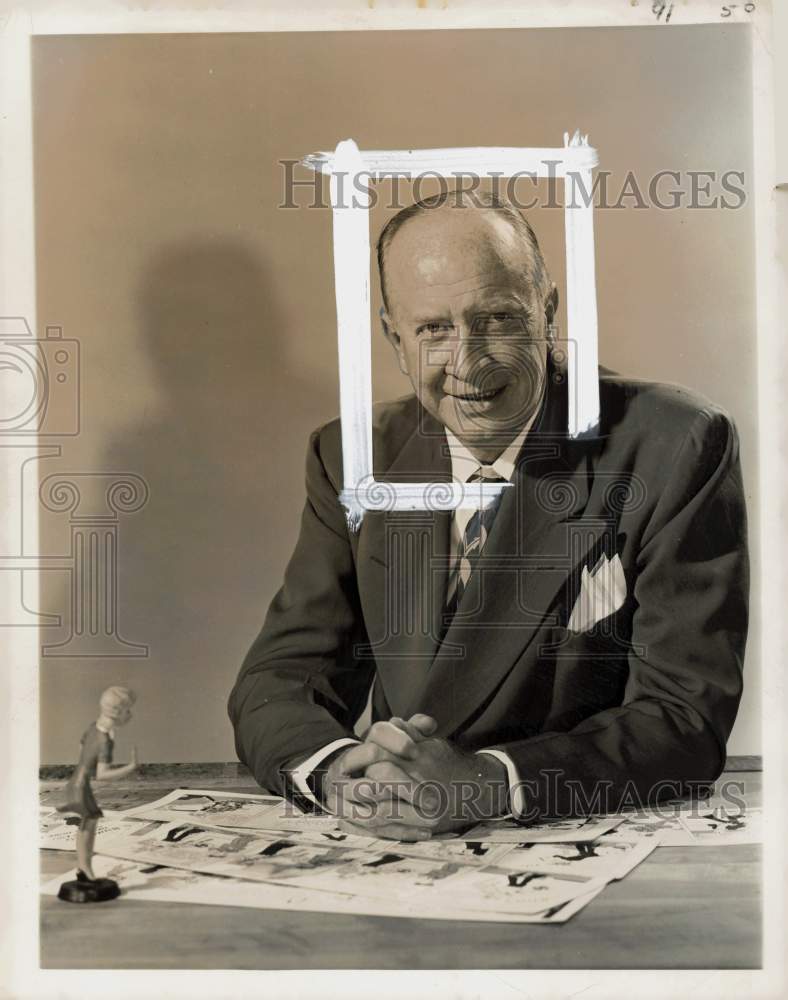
(551, 305)
(391, 335)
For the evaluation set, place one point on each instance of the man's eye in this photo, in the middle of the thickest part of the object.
(500, 322)
(433, 329)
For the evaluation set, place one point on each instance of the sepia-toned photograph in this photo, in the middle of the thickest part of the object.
(387, 535)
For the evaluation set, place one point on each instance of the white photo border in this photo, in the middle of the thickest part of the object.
(351, 169)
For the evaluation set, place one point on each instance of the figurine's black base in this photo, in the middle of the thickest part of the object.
(86, 890)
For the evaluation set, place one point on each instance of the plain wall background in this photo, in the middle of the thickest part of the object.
(206, 314)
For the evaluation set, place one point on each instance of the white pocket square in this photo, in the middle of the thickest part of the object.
(602, 592)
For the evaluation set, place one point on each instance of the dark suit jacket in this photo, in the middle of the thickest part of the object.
(643, 701)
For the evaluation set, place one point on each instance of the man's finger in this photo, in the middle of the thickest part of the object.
(424, 724)
(364, 790)
(360, 757)
(414, 732)
(354, 797)
(395, 810)
(387, 772)
(392, 831)
(392, 738)
(376, 804)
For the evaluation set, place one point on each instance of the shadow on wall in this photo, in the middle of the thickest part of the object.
(223, 457)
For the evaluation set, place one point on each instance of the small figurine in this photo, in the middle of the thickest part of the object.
(95, 761)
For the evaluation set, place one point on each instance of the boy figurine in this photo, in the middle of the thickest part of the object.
(95, 761)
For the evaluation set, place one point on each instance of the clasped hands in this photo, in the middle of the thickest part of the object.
(404, 783)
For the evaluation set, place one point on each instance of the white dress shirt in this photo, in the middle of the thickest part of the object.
(463, 467)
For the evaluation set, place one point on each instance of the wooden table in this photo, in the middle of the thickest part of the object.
(684, 907)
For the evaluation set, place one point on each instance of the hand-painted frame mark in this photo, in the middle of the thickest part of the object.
(351, 170)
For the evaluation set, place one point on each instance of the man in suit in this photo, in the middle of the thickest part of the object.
(577, 645)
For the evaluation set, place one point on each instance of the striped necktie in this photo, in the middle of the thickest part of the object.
(473, 539)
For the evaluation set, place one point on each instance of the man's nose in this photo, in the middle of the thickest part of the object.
(468, 357)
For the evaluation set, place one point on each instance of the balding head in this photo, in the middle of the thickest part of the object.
(466, 216)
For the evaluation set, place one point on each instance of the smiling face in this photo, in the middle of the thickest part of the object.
(468, 322)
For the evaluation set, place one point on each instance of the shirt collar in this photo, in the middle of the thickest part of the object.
(110, 732)
(464, 464)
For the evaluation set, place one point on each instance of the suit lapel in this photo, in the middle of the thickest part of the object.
(406, 558)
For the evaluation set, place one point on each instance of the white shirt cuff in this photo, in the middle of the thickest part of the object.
(516, 804)
(301, 773)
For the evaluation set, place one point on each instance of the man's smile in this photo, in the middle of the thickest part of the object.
(477, 395)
